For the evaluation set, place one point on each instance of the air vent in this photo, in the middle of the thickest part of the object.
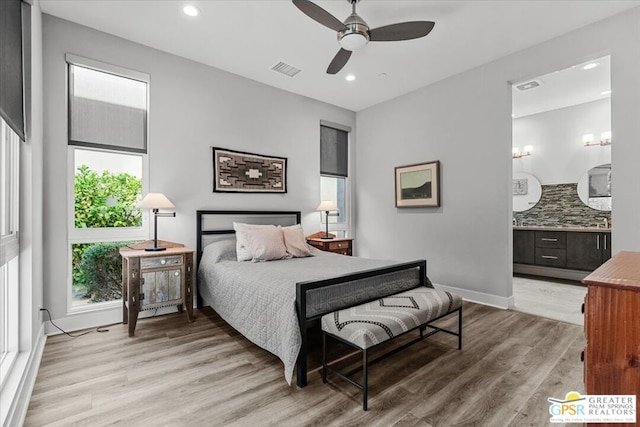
(528, 85)
(286, 69)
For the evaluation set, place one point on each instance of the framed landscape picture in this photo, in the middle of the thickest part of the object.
(238, 172)
(418, 185)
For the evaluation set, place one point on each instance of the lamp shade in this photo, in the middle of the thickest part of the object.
(155, 201)
(327, 205)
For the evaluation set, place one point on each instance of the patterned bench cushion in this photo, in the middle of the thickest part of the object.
(378, 321)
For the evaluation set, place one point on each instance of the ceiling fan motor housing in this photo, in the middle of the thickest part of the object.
(356, 33)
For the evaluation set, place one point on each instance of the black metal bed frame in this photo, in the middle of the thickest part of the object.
(303, 287)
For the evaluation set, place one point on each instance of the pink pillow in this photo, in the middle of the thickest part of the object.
(295, 242)
(243, 252)
(266, 244)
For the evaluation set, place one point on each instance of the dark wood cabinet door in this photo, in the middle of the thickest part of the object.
(584, 250)
(606, 246)
(523, 247)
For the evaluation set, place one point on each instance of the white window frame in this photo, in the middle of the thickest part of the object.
(340, 226)
(347, 226)
(9, 253)
(102, 234)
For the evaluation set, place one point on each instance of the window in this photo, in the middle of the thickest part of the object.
(9, 245)
(107, 154)
(334, 161)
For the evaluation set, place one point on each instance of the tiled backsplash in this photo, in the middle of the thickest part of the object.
(560, 205)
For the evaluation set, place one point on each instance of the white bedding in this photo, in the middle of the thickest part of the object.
(258, 298)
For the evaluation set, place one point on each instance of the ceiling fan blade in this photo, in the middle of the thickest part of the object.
(339, 61)
(318, 14)
(401, 31)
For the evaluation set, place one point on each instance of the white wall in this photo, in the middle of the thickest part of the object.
(559, 155)
(465, 122)
(192, 107)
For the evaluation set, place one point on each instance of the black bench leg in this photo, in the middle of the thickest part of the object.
(324, 357)
(364, 379)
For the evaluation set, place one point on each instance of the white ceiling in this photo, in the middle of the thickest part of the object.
(249, 37)
(564, 88)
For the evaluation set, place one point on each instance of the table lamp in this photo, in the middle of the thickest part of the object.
(327, 206)
(155, 202)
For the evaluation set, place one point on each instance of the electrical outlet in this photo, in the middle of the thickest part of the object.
(40, 312)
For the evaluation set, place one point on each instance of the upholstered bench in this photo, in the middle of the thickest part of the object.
(368, 325)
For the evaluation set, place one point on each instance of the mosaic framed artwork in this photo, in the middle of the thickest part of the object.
(239, 172)
(418, 185)
(520, 187)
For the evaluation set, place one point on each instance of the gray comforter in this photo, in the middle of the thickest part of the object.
(258, 299)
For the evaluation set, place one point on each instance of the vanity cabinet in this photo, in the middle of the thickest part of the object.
(524, 247)
(587, 251)
(551, 248)
(562, 253)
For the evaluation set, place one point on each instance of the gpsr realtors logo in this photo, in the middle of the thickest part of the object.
(576, 408)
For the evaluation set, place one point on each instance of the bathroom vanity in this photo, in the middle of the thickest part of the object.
(562, 252)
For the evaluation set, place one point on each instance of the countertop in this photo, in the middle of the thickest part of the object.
(564, 228)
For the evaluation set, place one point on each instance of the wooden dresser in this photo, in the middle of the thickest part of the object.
(612, 328)
(338, 246)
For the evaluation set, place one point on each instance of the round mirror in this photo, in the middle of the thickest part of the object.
(526, 191)
(594, 188)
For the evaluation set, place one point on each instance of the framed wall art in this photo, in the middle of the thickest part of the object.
(418, 185)
(238, 172)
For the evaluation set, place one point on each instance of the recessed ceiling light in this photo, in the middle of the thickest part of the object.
(382, 75)
(350, 78)
(190, 10)
(590, 65)
(605, 92)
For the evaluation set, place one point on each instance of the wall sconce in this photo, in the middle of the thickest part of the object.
(516, 153)
(588, 139)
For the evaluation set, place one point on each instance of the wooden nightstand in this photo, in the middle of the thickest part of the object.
(152, 280)
(338, 246)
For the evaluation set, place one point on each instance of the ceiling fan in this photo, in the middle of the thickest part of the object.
(354, 32)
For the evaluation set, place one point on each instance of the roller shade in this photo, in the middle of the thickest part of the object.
(107, 110)
(334, 151)
(11, 77)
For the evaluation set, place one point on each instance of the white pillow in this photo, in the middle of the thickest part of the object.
(295, 242)
(266, 244)
(242, 244)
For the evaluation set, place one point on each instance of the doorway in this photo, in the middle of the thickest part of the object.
(561, 186)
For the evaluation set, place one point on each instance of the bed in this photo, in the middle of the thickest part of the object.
(274, 303)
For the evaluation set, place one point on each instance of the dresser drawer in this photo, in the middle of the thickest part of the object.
(335, 246)
(551, 257)
(156, 262)
(551, 239)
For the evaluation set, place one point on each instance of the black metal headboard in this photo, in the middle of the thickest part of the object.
(211, 223)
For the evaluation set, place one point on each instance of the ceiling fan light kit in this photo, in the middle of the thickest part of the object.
(354, 33)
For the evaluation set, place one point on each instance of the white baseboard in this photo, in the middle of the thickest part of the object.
(479, 297)
(95, 318)
(26, 370)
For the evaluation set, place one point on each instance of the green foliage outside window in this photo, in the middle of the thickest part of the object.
(101, 266)
(102, 200)
(107, 199)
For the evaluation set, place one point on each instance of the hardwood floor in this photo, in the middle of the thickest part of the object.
(555, 299)
(204, 373)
